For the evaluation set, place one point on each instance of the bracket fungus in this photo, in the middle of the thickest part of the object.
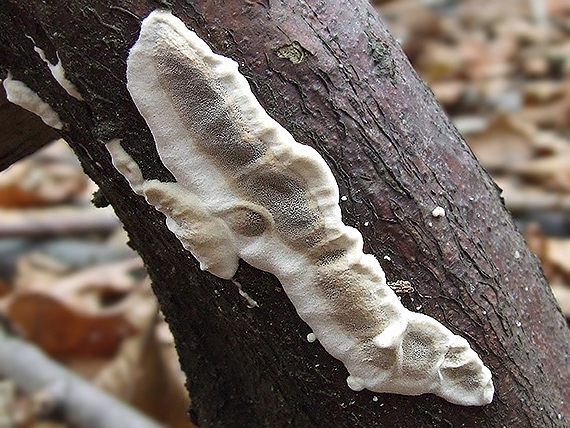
(246, 189)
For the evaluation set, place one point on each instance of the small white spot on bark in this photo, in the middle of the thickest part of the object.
(438, 212)
(251, 303)
(311, 337)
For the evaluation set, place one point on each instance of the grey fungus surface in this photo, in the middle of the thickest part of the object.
(246, 189)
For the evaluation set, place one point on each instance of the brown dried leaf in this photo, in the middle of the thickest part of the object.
(536, 240)
(550, 143)
(145, 371)
(50, 176)
(38, 272)
(552, 172)
(558, 256)
(439, 61)
(419, 25)
(99, 289)
(505, 143)
(562, 294)
(555, 113)
(449, 92)
(5, 288)
(69, 315)
(522, 197)
(541, 91)
(62, 332)
(520, 29)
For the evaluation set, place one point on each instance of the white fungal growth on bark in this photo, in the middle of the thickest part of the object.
(246, 189)
(18, 93)
(438, 212)
(58, 73)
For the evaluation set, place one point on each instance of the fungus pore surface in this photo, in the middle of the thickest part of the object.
(246, 189)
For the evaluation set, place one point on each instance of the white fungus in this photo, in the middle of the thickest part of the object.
(246, 189)
(438, 212)
(58, 74)
(18, 93)
(251, 302)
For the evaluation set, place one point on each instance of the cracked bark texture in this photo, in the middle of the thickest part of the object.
(329, 72)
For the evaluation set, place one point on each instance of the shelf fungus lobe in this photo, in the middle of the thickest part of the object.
(246, 189)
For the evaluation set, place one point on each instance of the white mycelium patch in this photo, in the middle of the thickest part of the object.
(438, 212)
(58, 73)
(18, 93)
(246, 189)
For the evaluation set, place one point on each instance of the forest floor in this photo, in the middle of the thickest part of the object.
(501, 70)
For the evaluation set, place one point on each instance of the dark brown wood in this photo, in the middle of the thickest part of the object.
(21, 132)
(331, 74)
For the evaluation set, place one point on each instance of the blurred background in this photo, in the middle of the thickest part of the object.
(501, 70)
(70, 284)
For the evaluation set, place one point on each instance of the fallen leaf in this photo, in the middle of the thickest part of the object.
(552, 172)
(562, 294)
(505, 143)
(449, 92)
(48, 177)
(62, 332)
(541, 91)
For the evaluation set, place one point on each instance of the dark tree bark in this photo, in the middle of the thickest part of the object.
(22, 132)
(331, 74)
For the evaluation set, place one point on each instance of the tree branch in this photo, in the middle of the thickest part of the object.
(331, 74)
(22, 132)
(80, 403)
